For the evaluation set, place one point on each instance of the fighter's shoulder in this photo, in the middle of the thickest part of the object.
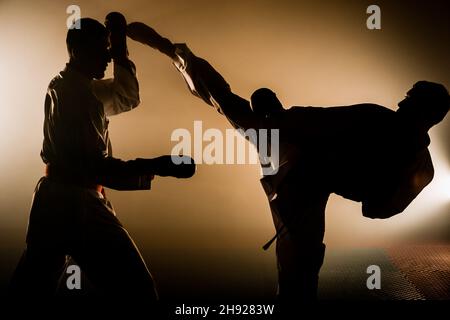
(301, 109)
(68, 85)
(62, 83)
(372, 107)
(56, 82)
(368, 108)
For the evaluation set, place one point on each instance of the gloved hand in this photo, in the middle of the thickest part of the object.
(117, 26)
(174, 166)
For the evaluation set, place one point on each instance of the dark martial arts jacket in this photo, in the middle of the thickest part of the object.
(366, 152)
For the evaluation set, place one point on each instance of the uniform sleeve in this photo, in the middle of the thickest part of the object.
(122, 175)
(121, 93)
(402, 190)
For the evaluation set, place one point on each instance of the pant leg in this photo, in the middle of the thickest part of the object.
(44, 259)
(38, 273)
(108, 256)
(300, 249)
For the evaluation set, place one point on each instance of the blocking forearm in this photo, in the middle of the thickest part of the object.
(117, 26)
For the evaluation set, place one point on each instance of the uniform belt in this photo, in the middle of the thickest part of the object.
(70, 178)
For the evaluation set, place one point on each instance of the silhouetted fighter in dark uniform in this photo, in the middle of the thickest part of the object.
(70, 214)
(363, 152)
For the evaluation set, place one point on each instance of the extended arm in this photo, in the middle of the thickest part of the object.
(137, 174)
